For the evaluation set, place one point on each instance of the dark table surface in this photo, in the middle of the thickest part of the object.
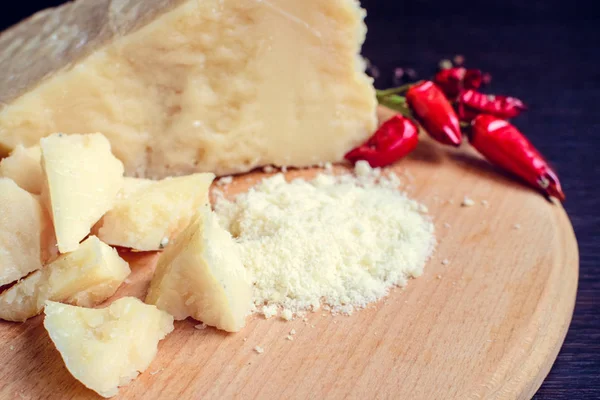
(547, 53)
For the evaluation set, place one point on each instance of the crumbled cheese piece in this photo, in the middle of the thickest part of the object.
(445, 261)
(517, 226)
(328, 167)
(157, 371)
(293, 331)
(259, 349)
(269, 311)
(268, 169)
(485, 203)
(447, 225)
(439, 277)
(12, 347)
(284, 169)
(342, 240)
(164, 242)
(287, 315)
(224, 181)
(362, 168)
(201, 326)
(467, 202)
(289, 337)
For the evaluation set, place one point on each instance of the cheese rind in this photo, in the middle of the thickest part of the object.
(194, 85)
(148, 212)
(85, 277)
(107, 348)
(201, 275)
(23, 167)
(21, 229)
(82, 180)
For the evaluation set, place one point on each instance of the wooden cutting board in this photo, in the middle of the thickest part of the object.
(488, 325)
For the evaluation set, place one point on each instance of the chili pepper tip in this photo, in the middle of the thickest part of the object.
(551, 185)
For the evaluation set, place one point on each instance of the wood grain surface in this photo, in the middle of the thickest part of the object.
(487, 325)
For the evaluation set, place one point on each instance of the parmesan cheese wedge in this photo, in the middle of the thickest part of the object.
(23, 167)
(82, 180)
(85, 277)
(181, 86)
(149, 213)
(201, 275)
(107, 348)
(21, 232)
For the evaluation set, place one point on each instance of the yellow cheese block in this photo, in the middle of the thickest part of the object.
(201, 275)
(82, 180)
(23, 167)
(181, 86)
(21, 232)
(85, 277)
(149, 213)
(107, 348)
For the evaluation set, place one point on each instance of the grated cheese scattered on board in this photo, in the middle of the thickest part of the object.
(467, 202)
(343, 241)
(287, 315)
(269, 311)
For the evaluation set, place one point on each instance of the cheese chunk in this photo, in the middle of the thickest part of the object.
(23, 167)
(181, 86)
(85, 277)
(82, 180)
(107, 348)
(201, 275)
(149, 213)
(21, 229)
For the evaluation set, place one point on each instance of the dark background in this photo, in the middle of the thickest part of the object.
(548, 54)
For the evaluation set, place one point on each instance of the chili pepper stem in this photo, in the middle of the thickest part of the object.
(396, 90)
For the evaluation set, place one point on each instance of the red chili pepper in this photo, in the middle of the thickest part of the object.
(502, 144)
(474, 78)
(434, 112)
(397, 137)
(471, 103)
(452, 81)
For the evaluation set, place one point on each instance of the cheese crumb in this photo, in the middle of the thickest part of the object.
(343, 241)
(287, 315)
(517, 226)
(445, 262)
(467, 202)
(447, 225)
(163, 243)
(201, 326)
(269, 311)
(259, 349)
(289, 337)
(224, 181)
(293, 332)
(268, 169)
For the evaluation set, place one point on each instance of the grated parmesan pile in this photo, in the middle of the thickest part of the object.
(336, 241)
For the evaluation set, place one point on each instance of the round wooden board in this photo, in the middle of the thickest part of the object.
(486, 326)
